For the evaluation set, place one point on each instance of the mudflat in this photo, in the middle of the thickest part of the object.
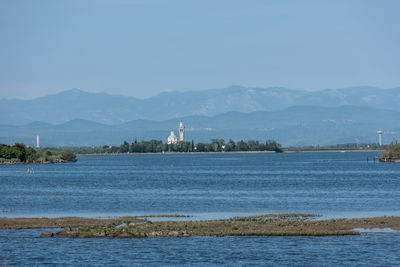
(142, 227)
(63, 222)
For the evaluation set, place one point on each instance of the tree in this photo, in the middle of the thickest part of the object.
(21, 147)
(10, 152)
(253, 145)
(124, 147)
(114, 149)
(242, 146)
(216, 144)
(132, 148)
(392, 152)
(231, 146)
(68, 155)
(30, 154)
(15, 152)
(261, 147)
(5, 152)
(201, 147)
(273, 146)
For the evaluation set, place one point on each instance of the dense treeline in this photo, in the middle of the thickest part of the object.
(21, 153)
(219, 145)
(157, 146)
(347, 146)
(17, 152)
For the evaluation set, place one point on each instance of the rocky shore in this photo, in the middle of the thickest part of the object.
(389, 160)
(142, 227)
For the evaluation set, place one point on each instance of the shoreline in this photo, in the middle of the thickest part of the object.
(175, 153)
(225, 152)
(35, 163)
(389, 160)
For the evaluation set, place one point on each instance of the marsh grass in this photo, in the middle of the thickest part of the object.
(165, 216)
(277, 217)
(260, 225)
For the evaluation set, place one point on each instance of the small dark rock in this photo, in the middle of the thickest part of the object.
(173, 233)
(47, 234)
(140, 235)
(124, 235)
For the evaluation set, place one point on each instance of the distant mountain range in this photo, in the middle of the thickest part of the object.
(297, 125)
(111, 109)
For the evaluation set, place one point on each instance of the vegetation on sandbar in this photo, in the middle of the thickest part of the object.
(392, 153)
(279, 225)
(63, 222)
(19, 153)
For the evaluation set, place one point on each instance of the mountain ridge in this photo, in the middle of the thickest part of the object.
(114, 109)
(299, 125)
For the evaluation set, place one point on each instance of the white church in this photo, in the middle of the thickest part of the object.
(172, 139)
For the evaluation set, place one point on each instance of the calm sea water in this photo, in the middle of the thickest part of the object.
(25, 247)
(205, 186)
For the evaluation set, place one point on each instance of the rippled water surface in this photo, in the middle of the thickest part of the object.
(213, 185)
(205, 186)
(20, 247)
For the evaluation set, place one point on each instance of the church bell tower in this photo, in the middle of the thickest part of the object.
(181, 132)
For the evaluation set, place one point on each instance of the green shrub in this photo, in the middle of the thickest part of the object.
(68, 155)
(30, 154)
(393, 151)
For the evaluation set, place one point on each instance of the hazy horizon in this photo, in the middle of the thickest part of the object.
(183, 91)
(142, 48)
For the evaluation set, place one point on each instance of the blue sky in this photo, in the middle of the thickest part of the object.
(141, 48)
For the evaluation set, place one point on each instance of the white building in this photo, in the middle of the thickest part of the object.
(172, 139)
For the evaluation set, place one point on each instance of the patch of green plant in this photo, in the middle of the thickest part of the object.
(392, 152)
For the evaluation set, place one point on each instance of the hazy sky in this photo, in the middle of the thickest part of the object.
(140, 48)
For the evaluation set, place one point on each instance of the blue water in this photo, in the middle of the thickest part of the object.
(331, 184)
(205, 186)
(21, 247)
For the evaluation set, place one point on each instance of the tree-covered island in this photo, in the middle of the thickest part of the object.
(219, 145)
(19, 153)
(157, 146)
(392, 153)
